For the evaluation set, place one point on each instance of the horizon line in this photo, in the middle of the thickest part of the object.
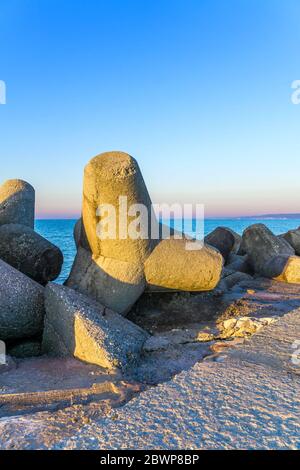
(209, 217)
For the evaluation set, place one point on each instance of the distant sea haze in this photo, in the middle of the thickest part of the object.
(273, 216)
(60, 231)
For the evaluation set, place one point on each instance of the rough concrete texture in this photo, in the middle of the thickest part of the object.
(107, 177)
(113, 272)
(111, 268)
(75, 325)
(171, 266)
(244, 395)
(247, 398)
(25, 348)
(77, 232)
(284, 268)
(80, 236)
(17, 199)
(293, 238)
(239, 263)
(114, 283)
(187, 327)
(163, 311)
(44, 383)
(160, 312)
(225, 240)
(261, 245)
(30, 253)
(235, 278)
(21, 304)
(226, 272)
(7, 364)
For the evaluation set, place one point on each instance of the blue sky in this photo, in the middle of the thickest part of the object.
(198, 91)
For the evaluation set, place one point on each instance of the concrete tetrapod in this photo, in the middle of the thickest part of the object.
(115, 266)
(17, 199)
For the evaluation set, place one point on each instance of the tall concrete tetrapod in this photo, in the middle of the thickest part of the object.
(116, 271)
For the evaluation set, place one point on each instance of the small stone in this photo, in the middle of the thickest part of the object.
(229, 324)
(243, 326)
(203, 337)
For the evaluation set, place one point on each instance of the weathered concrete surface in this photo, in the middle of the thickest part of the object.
(77, 326)
(188, 327)
(44, 383)
(8, 365)
(293, 238)
(21, 304)
(261, 246)
(114, 283)
(17, 199)
(107, 177)
(171, 266)
(80, 236)
(235, 278)
(225, 240)
(110, 269)
(243, 397)
(121, 252)
(160, 312)
(25, 348)
(239, 263)
(284, 268)
(247, 398)
(30, 253)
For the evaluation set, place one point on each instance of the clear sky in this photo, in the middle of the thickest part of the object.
(198, 91)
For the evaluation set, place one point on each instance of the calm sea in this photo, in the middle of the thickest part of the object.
(60, 232)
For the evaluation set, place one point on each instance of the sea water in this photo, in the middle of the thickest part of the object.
(60, 232)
